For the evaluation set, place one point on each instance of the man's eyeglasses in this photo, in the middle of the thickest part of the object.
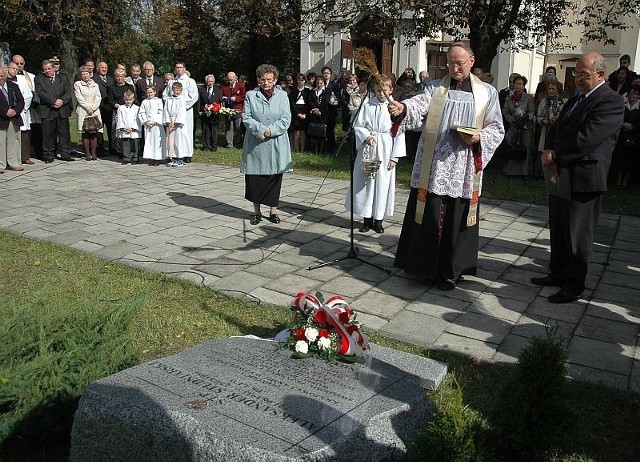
(459, 65)
(582, 75)
(266, 80)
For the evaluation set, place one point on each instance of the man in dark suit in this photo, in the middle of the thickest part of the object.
(104, 81)
(332, 89)
(55, 93)
(208, 94)
(148, 80)
(578, 150)
(11, 106)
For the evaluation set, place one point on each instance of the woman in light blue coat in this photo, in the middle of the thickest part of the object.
(266, 152)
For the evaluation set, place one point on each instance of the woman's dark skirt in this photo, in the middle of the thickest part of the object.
(443, 246)
(263, 189)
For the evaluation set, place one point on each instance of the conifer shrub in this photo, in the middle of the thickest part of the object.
(452, 435)
(533, 414)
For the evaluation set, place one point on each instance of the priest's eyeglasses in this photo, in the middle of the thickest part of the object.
(459, 65)
(583, 75)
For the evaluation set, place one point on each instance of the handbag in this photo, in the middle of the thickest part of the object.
(91, 124)
(517, 151)
(317, 130)
(630, 139)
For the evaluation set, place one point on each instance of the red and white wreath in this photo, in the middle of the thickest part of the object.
(328, 328)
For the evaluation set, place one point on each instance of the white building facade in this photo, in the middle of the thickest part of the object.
(334, 49)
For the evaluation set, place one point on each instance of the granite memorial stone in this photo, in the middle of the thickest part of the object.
(242, 399)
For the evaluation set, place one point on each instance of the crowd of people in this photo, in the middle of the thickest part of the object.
(529, 116)
(136, 115)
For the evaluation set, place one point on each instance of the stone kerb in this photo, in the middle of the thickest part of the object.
(242, 399)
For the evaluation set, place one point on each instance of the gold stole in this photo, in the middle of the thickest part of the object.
(431, 132)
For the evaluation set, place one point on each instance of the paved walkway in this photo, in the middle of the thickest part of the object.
(193, 221)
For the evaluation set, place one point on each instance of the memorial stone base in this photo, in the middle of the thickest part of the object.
(244, 399)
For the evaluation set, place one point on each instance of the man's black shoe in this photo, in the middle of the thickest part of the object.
(67, 158)
(548, 281)
(446, 284)
(564, 296)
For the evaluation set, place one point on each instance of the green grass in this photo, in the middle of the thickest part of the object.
(68, 318)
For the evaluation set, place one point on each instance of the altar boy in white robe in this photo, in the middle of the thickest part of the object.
(374, 195)
(128, 129)
(150, 117)
(175, 119)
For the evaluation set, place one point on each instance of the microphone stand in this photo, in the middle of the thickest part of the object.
(352, 253)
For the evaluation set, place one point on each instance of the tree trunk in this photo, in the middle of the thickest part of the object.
(484, 46)
(68, 54)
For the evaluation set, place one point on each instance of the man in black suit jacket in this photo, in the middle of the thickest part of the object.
(210, 93)
(11, 106)
(148, 80)
(581, 143)
(332, 109)
(104, 81)
(55, 93)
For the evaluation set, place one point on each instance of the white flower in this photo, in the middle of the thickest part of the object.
(311, 333)
(324, 343)
(302, 347)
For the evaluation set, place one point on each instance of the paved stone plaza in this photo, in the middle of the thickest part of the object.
(193, 222)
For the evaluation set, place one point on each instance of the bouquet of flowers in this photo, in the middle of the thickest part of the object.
(212, 108)
(327, 329)
(229, 112)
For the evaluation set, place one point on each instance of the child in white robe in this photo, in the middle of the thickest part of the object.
(150, 116)
(128, 129)
(174, 118)
(374, 195)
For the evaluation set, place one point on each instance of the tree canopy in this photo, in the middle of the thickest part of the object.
(485, 23)
(213, 36)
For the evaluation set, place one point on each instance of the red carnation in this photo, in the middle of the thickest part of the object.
(299, 333)
(320, 317)
(352, 328)
(344, 317)
(324, 333)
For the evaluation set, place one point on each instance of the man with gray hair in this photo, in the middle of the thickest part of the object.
(577, 155)
(149, 79)
(209, 94)
(233, 94)
(440, 237)
(11, 106)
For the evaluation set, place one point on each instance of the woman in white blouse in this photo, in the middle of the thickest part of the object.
(87, 93)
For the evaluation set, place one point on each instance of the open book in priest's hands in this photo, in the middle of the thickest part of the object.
(466, 130)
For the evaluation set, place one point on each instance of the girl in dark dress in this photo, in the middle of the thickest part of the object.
(302, 101)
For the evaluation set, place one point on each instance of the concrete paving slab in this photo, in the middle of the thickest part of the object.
(597, 354)
(471, 347)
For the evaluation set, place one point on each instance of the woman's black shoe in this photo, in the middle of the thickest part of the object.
(255, 219)
(273, 218)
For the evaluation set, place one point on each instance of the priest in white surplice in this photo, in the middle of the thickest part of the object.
(439, 239)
